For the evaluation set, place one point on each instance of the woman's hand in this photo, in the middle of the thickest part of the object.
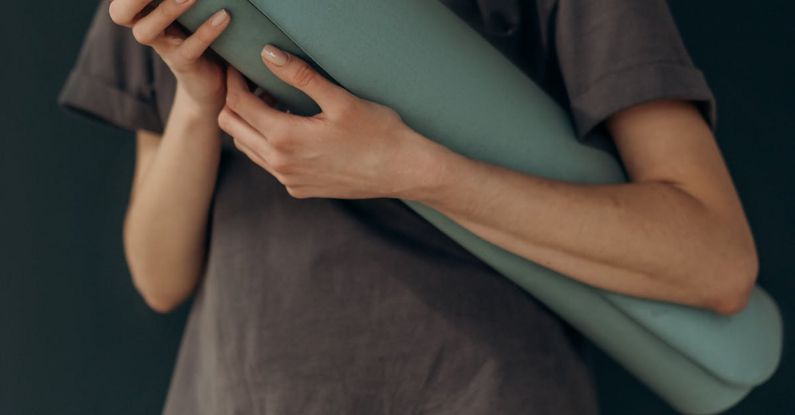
(353, 149)
(200, 77)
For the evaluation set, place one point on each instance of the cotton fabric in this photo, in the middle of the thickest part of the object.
(329, 306)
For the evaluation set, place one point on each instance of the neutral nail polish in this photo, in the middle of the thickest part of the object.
(219, 18)
(274, 55)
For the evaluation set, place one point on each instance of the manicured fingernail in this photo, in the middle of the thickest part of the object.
(274, 55)
(219, 18)
(180, 1)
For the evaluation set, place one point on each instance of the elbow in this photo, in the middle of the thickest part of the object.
(163, 286)
(156, 286)
(729, 305)
(159, 297)
(161, 304)
(736, 284)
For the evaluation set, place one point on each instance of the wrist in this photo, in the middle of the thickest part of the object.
(429, 172)
(205, 108)
(191, 121)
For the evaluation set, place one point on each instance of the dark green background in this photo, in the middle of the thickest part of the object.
(75, 338)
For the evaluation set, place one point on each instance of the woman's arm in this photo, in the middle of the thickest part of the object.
(166, 223)
(676, 232)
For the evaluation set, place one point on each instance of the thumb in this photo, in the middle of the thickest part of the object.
(296, 72)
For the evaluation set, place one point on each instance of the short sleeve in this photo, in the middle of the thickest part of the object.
(614, 54)
(112, 79)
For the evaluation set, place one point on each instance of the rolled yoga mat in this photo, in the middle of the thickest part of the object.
(451, 85)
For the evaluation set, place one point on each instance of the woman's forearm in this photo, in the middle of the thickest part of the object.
(166, 224)
(649, 239)
(676, 232)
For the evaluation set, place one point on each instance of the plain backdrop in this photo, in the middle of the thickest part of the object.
(75, 338)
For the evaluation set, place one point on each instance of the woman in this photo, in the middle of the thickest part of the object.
(319, 293)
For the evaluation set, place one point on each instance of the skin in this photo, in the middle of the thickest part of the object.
(166, 223)
(675, 232)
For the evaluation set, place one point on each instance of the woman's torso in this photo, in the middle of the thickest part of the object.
(320, 306)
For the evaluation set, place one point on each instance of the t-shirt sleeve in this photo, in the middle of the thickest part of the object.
(614, 54)
(112, 79)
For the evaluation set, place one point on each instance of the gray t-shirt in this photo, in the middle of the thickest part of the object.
(328, 306)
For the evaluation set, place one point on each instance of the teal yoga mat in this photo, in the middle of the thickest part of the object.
(452, 86)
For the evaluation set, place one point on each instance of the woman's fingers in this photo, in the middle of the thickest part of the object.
(246, 138)
(150, 27)
(181, 50)
(251, 108)
(296, 72)
(251, 154)
(127, 12)
(156, 27)
(196, 44)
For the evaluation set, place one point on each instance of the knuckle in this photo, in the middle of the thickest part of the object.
(394, 117)
(287, 180)
(388, 113)
(296, 193)
(115, 16)
(280, 177)
(167, 10)
(280, 163)
(184, 54)
(391, 113)
(232, 100)
(346, 106)
(205, 35)
(142, 35)
(280, 142)
(225, 121)
(277, 136)
(303, 75)
(242, 148)
(179, 65)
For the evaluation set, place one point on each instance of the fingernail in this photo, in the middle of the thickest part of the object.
(180, 1)
(274, 55)
(219, 18)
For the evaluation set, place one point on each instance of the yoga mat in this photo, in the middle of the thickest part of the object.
(451, 85)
